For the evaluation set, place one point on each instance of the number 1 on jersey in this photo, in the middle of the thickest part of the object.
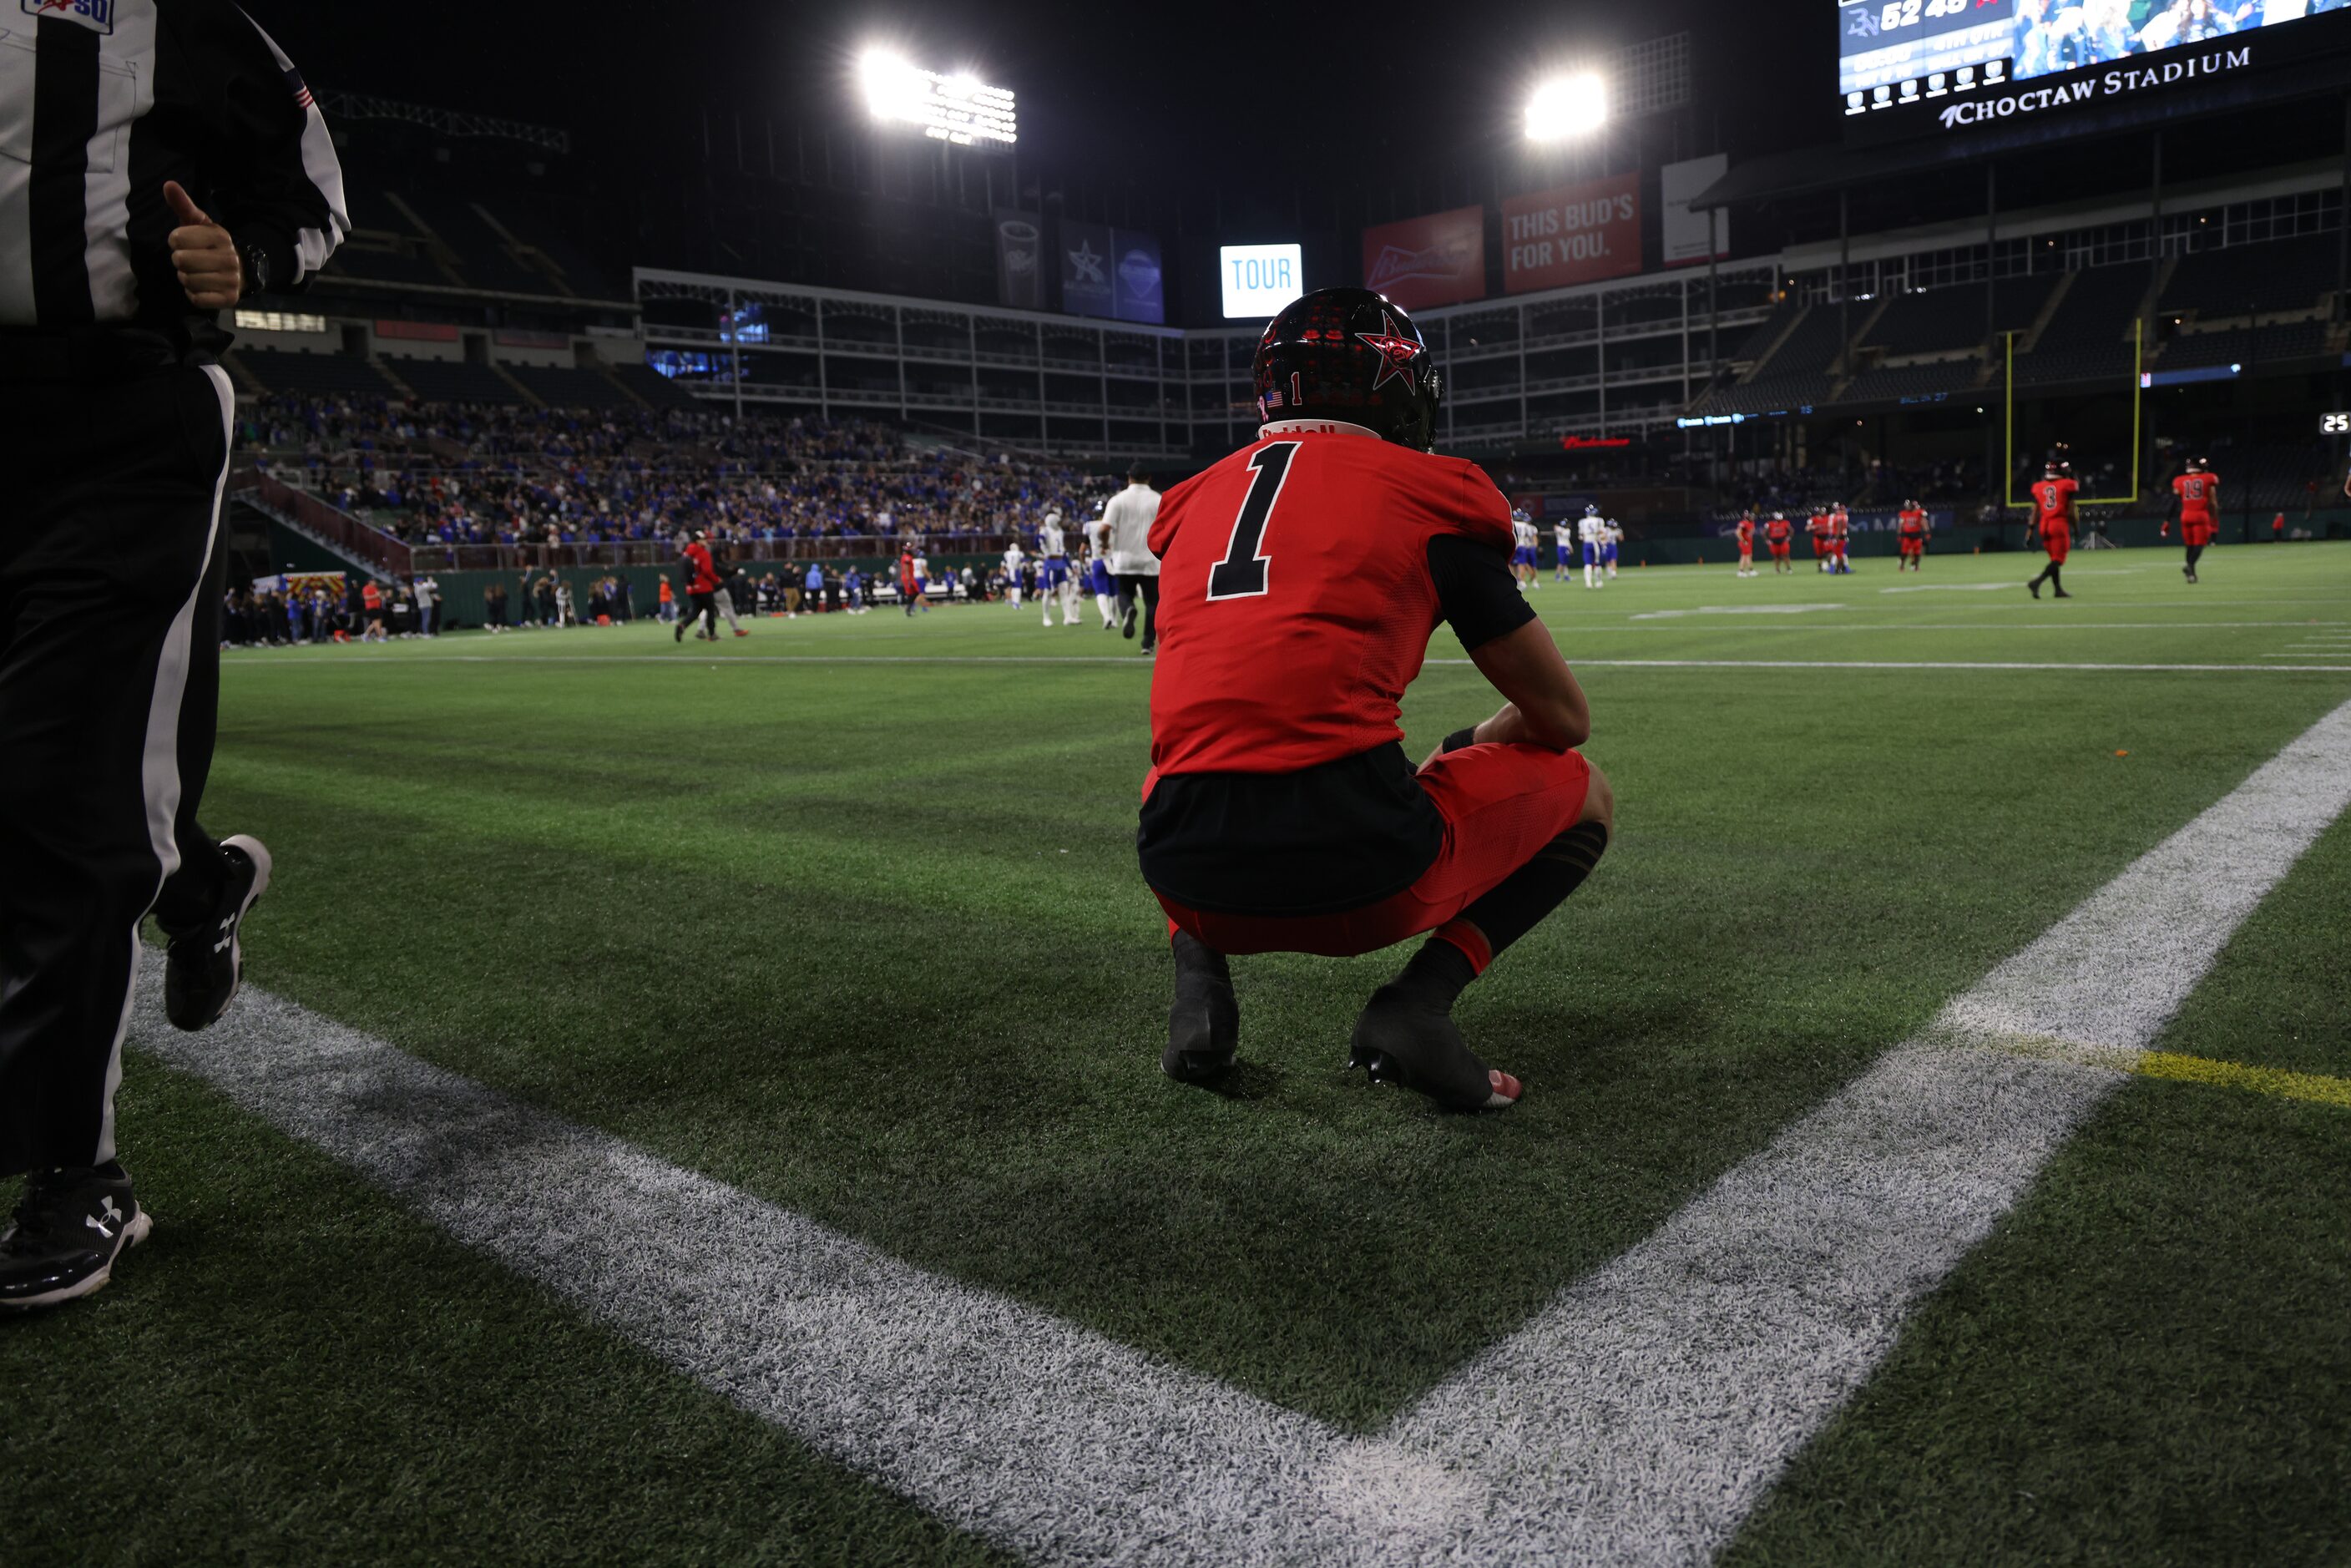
(1242, 573)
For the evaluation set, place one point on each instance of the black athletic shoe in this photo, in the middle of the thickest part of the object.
(1404, 1039)
(679, 628)
(68, 1231)
(202, 967)
(2033, 588)
(1204, 1026)
(1127, 626)
(2059, 593)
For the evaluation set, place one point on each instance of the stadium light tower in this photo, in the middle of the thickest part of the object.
(958, 108)
(1567, 106)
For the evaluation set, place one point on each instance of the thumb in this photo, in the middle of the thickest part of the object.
(183, 206)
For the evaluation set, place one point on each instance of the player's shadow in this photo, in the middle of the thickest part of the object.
(1249, 1080)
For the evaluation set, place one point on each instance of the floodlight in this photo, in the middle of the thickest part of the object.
(1567, 106)
(959, 109)
(893, 89)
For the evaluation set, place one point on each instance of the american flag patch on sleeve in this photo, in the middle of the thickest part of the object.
(301, 89)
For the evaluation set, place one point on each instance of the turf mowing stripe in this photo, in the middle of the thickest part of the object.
(365, 660)
(1659, 1398)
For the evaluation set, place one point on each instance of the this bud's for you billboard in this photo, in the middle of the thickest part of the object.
(1574, 233)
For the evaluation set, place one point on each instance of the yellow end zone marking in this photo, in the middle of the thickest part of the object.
(2180, 1068)
(2272, 1080)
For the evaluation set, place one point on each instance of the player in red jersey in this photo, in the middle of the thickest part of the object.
(1839, 532)
(2053, 513)
(2197, 492)
(702, 581)
(1817, 526)
(1300, 581)
(1777, 533)
(1746, 544)
(1910, 536)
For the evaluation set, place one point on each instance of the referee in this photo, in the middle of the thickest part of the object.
(160, 160)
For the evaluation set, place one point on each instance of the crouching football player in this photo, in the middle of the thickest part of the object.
(1300, 581)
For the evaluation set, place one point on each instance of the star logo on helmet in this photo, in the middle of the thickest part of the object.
(1396, 354)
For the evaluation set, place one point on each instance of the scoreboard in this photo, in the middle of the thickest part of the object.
(1914, 66)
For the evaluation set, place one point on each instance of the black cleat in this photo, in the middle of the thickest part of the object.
(202, 967)
(1126, 622)
(1403, 1039)
(680, 629)
(2059, 593)
(68, 1231)
(1204, 1026)
(2033, 588)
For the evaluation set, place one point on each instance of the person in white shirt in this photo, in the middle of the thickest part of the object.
(1013, 556)
(428, 606)
(1125, 535)
(1564, 548)
(1054, 579)
(1593, 531)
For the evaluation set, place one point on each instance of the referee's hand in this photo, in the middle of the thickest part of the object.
(211, 272)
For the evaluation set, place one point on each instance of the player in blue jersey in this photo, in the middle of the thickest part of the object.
(1608, 543)
(1522, 549)
(1102, 586)
(1562, 551)
(1593, 531)
(1053, 578)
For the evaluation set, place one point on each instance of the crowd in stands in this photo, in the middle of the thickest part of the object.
(453, 476)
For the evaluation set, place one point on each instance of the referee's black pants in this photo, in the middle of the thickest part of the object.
(1146, 586)
(110, 688)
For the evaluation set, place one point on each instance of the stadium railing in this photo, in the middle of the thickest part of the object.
(303, 510)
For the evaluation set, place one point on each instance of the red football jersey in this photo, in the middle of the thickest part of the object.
(1295, 599)
(2198, 494)
(2054, 497)
(1746, 530)
(705, 575)
(1912, 522)
(1818, 525)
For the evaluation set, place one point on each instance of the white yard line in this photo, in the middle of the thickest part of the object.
(1667, 1392)
(1637, 1419)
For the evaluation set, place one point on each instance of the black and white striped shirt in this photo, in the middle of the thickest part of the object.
(103, 101)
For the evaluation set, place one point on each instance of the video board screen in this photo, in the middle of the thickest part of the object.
(1893, 53)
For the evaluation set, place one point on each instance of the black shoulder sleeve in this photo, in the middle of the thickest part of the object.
(1474, 591)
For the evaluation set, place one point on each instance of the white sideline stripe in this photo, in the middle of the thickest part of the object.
(1667, 1392)
(1004, 1420)
(365, 660)
(1636, 1419)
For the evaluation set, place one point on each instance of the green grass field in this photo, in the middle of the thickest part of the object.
(845, 915)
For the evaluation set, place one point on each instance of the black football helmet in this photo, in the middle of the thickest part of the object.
(1348, 354)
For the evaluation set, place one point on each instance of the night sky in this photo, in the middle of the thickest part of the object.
(1244, 96)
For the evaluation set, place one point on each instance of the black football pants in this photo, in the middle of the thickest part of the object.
(109, 686)
(1130, 587)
